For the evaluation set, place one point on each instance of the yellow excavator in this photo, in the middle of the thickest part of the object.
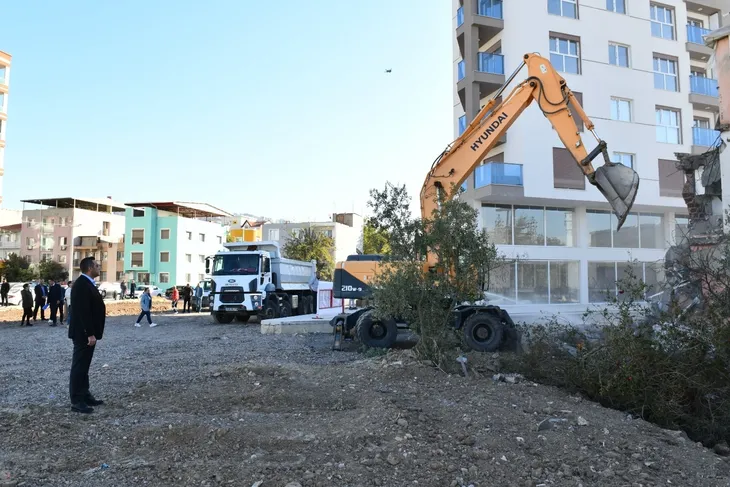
(486, 328)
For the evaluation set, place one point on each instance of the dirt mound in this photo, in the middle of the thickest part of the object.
(125, 307)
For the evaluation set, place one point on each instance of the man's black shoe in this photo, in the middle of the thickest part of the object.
(91, 401)
(82, 408)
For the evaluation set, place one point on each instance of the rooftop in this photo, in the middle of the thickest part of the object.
(106, 205)
(184, 209)
(16, 227)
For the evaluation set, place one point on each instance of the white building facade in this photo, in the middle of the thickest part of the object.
(639, 69)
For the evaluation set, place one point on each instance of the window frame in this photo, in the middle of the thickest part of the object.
(169, 233)
(671, 61)
(164, 274)
(618, 100)
(614, 46)
(167, 252)
(614, 3)
(659, 109)
(131, 237)
(654, 7)
(562, 11)
(630, 154)
(131, 260)
(557, 36)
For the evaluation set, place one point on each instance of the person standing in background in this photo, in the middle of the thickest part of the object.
(4, 290)
(187, 294)
(175, 298)
(27, 302)
(145, 303)
(85, 328)
(40, 301)
(55, 300)
(123, 288)
(199, 297)
(67, 299)
(132, 288)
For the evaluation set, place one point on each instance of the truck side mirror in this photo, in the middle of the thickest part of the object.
(207, 265)
(267, 264)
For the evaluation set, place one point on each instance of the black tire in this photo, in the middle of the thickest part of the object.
(243, 318)
(285, 308)
(223, 318)
(302, 305)
(375, 333)
(271, 310)
(103, 294)
(483, 332)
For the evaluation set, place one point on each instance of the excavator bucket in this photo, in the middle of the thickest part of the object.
(616, 182)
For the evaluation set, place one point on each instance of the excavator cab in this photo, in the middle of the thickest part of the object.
(616, 182)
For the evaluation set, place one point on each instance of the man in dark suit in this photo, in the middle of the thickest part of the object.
(85, 328)
(40, 301)
(55, 300)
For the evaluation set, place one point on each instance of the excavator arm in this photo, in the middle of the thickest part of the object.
(617, 183)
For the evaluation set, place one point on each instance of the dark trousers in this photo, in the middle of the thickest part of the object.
(186, 304)
(27, 313)
(39, 305)
(147, 314)
(55, 309)
(4, 297)
(78, 386)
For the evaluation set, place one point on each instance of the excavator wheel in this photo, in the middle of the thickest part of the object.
(483, 332)
(375, 333)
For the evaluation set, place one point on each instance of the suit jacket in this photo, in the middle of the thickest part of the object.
(5, 287)
(55, 293)
(27, 298)
(89, 311)
(39, 288)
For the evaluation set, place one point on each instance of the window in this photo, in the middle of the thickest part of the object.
(681, 227)
(671, 180)
(462, 124)
(274, 234)
(201, 277)
(201, 258)
(623, 158)
(164, 277)
(104, 256)
(566, 173)
(662, 22)
(120, 255)
(138, 212)
(621, 109)
(640, 230)
(164, 256)
(62, 259)
(220, 239)
(189, 257)
(702, 123)
(534, 282)
(558, 227)
(497, 221)
(165, 234)
(529, 226)
(599, 228)
(201, 237)
(618, 6)
(605, 278)
(651, 229)
(138, 236)
(120, 275)
(102, 276)
(137, 259)
(667, 126)
(564, 8)
(665, 74)
(187, 278)
(618, 55)
(565, 54)
(189, 235)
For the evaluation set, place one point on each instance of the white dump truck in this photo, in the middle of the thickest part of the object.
(253, 279)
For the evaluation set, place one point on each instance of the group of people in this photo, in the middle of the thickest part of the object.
(51, 295)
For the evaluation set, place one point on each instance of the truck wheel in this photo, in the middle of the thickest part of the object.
(270, 309)
(375, 333)
(285, 309)
(223, 318)
(483, 332)
(243, 318)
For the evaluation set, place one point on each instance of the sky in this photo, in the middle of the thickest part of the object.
(280, 109)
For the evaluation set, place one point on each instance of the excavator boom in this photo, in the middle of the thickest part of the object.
(616, 182)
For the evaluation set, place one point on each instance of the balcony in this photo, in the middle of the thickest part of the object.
(488, 19)
(704, 94)
(696, 45)
(460, 17)
(460, 71)
(703, 139)
(498, 179)
(489, 73)
(704, 7)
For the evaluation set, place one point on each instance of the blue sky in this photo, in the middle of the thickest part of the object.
(275, 108)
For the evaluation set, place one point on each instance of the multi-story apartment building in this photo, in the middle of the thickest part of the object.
(10, 240)
(167, 242)
(639, 69)
(346, 229)
(245, 230)
(54, 230)
(108, 251)
(4, 82)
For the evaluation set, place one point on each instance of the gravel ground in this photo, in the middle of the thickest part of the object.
(192, 403)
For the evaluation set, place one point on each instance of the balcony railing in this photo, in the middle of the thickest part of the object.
(705, 137)
(460, 16)
(703, 86)
(461, 70)
(491, 63)
(501, 173)
(490, 8)
(462, 124)
(694, 34)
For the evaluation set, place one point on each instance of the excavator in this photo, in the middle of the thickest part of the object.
(486, 327)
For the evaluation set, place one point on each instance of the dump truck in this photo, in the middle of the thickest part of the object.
(254, 279)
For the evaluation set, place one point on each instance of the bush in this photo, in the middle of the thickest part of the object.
(667, 363)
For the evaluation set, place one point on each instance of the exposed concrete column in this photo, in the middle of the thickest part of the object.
(471, 49)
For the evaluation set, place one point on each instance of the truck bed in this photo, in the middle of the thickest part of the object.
(293, 274)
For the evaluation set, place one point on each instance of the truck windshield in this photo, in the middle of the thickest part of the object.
(237, 264)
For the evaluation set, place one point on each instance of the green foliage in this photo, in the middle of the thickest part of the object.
(17, 269)
(50, 269)
(404, 287)
(668, 363)
(375, 241)
(312, 245)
